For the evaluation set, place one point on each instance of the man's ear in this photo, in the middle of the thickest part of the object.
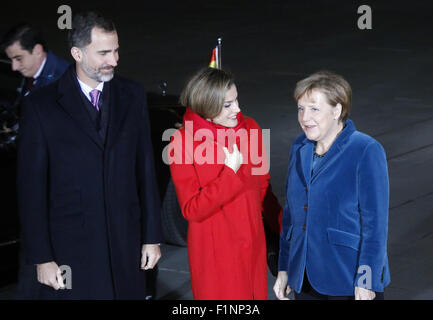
(38, 49)
(77, 54)
(337, 111)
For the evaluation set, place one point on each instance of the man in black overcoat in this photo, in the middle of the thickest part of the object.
(27, 49)
(87, 193)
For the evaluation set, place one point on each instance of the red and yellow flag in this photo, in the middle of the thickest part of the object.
(213, 61)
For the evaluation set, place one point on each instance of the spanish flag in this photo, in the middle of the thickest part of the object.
(213, 60)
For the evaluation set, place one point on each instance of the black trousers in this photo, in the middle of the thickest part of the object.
(308, 293)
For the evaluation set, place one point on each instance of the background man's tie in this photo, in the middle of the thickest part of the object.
(30, 84)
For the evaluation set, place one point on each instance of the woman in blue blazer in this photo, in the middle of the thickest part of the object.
(335, 222)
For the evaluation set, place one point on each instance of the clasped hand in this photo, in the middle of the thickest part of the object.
(233, 160)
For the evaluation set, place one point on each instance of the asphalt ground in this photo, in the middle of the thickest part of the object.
(269, 46)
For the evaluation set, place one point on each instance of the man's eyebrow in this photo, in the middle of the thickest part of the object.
(107, 51)
(16, 57)
(104, 51)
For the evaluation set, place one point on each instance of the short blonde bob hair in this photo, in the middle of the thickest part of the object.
(205, 92)
(333, 86)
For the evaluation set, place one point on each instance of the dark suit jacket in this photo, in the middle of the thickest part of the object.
(84, 204)
(54, 67)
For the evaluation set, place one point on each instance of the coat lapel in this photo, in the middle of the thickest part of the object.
(329, 158)
(70, 101)
(336, 148)
(306, 155)
(47, 73)
(120, 101)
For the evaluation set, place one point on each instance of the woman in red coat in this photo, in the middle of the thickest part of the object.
(219, 168)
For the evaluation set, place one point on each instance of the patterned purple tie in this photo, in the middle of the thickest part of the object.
(94, 95)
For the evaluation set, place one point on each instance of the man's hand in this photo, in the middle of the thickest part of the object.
(281, 288)
(150, 254)
(50, 274)
(364, 294)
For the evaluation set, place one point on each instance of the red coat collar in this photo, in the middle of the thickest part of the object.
(201, 123)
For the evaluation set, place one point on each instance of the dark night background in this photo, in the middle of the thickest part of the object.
(269, 46)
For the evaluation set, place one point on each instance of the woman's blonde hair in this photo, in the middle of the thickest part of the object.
(205, 92)
(333, 86)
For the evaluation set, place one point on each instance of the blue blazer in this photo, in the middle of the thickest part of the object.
(335, 222)
(54, 67)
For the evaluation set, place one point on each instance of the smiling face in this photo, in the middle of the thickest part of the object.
(96, 61)
(228, 114)
(318, 118)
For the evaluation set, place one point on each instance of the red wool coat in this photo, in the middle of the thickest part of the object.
(226, 240)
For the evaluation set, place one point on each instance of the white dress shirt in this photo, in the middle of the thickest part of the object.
(38, 73)
(86, 89)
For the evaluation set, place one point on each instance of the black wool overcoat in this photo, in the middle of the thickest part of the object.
(84, 204)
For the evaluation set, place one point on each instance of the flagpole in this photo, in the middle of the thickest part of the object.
(219, 53)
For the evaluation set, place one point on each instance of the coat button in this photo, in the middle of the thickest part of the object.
(305, 207)
(304, 227)
(306, 189)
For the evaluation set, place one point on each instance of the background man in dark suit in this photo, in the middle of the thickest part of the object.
(87, 189)
(27, 50)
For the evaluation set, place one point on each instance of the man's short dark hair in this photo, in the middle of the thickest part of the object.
(26, 35)
(81, 33)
